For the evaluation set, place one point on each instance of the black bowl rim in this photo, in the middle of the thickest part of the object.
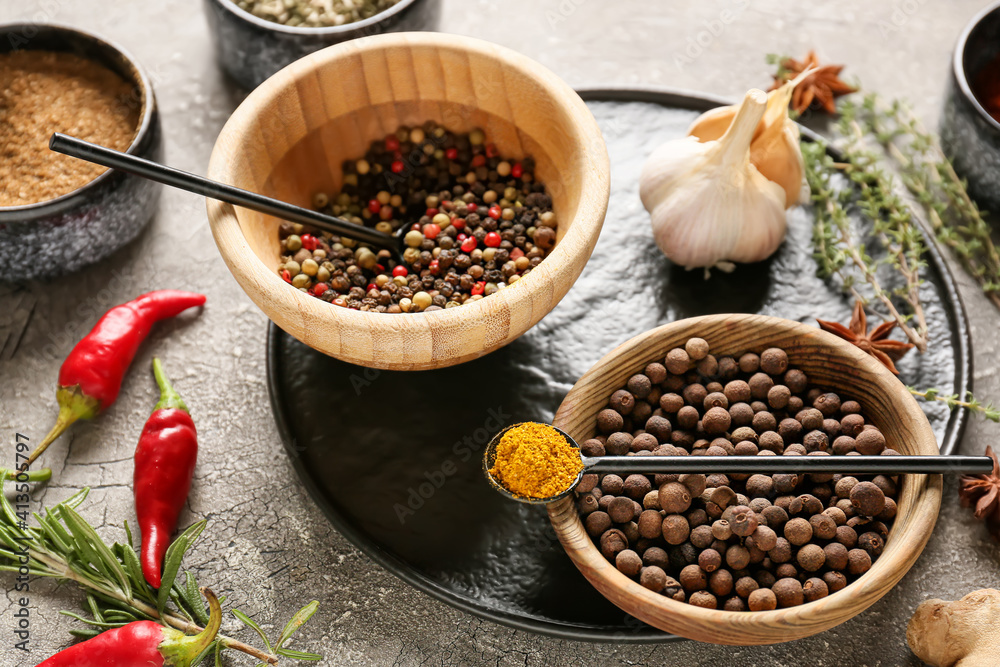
(958, 67)
(32, 212)
(232, 7)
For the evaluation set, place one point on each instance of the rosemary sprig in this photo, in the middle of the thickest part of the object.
(952, 401)
(64, 546)
(837, 251)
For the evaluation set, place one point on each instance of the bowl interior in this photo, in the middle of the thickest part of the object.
(828, 362)
(301, 138)
(979, 48)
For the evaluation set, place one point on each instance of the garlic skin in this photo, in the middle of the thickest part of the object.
(775, 147)
(709, 206)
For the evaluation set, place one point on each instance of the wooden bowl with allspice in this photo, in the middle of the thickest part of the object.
(744, 559)
(58, 214)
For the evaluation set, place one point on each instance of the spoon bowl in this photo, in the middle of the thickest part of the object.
(490, 457)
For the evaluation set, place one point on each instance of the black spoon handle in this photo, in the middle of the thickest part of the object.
(769, 465)
(154, 171)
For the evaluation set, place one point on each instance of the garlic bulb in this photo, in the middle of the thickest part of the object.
(775, 146)
(709, 206)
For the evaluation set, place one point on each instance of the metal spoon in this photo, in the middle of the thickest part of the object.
(107, 157)
(749, 465)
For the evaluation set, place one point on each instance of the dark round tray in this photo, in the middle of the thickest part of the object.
(393, 458)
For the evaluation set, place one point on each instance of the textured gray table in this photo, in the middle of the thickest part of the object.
(267, 546)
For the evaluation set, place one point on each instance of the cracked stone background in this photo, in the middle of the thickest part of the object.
(267, 547)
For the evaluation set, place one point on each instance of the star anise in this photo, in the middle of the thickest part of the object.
(874, 342)
(983, 493)
(818, 89)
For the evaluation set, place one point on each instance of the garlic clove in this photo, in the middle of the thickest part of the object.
(709, 206)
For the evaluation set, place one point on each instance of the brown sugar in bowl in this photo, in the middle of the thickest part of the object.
(828, 361)
(290, 136)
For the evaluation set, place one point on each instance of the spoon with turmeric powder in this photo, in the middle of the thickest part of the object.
(537, 463)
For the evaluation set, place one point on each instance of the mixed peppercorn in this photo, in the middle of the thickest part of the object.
(736, 542)
(477, 222)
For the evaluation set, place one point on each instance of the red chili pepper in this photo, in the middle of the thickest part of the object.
(91, 376)
(142, 644)
(164, 466)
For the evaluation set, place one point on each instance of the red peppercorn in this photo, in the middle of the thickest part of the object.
(320, 288)
(391, 143)
(309, 242)
(397, 166)
(286, 276)
(415, 227)
(435, 267)
(516, 254)
(371, 286)
(491, 150)
(492, 240)
(458, 223)
(400, 272)
(495, 212)
(431, 212)
(479, 287)
(517, 170)
(431, 230)
(385, 212)
(479, 161)
(380, 268)
(469, 244)
(374, 205)
(451, 153)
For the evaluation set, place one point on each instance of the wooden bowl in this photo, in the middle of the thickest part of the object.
(290, 136)
(829, 362)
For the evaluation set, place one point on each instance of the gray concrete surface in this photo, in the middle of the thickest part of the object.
(267, 546)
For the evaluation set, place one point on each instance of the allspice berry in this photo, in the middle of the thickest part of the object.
(710, 560)
(720, 582)
(609, 421)
(814, 589)
(796, 380)
(867, 498)
(614, 541)
(637, 486)
(765, 538)
(828, 404)
(650, 524)
(760, 384)
(687, 417)
(678, 361)
(656, 373)
(773, 361)
(869, 442)
(737, 391)
(622, 402)
(742, 521)
(778, 396)
(858, 561)
(596, 523)
(716, 421)
(628, 562)
(621, 509)
(811, 557)
(836, 555)
(639, 386)
(675, 529)
(674, 498)
(653, 578)
(762, 599)
(834, 581)
(749, 363)
(671, 403)
(703, 599)
(737, 557)
(693, 578)
(788, 592)
(798, 531)
(696, 348)
(618, 444)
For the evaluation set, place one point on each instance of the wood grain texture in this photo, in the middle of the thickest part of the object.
(288, 140)
(828, 362)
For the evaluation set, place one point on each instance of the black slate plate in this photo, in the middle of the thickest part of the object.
(393, 458)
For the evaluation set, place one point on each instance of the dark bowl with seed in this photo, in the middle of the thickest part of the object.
(58, 214)
(970, 123)
(252, 43)
(744, 559)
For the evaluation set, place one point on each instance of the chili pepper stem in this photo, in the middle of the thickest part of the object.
(73, 406)
(60, 570)
(43, 475)
(179, 649)
(168, 397)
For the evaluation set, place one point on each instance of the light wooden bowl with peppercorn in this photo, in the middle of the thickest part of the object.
(828, 362)
(288, 140)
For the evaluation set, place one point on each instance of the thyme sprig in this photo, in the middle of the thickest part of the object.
(64, 546)
(837, 250)
(929, 176)
(987, 410)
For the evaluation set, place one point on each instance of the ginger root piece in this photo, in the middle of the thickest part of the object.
(964, 633)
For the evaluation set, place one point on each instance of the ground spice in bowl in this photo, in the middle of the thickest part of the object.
(736, 542)
(315, 13)
(478, 224)
(535, 461)
(42, 92)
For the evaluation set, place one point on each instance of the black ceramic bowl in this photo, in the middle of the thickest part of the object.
(61, 235)
(251, 49)
(969, 135)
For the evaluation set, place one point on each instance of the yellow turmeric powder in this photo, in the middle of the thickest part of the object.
(535, 461)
